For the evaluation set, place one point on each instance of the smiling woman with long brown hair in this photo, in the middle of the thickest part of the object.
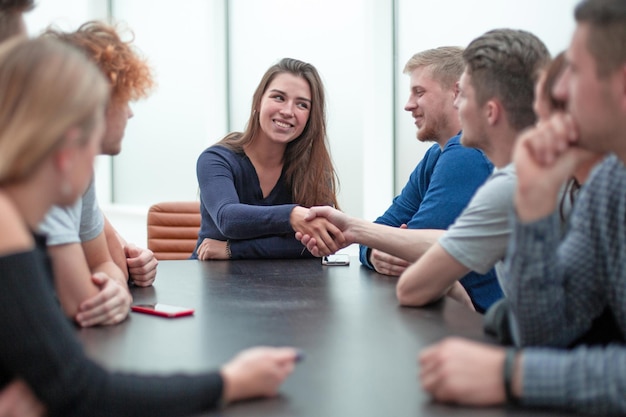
(255, 186)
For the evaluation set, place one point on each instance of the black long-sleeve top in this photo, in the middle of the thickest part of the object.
(38, 344)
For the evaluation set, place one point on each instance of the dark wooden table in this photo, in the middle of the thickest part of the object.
(360, 346)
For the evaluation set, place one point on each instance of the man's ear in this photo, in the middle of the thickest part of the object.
(456, 90)
(493, 111)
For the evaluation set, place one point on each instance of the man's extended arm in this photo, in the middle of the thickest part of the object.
(409, 244)
(403, 243)
(383, 262)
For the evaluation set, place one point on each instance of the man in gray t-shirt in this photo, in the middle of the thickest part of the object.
(79, 223)
(91, 262)
(479, 237)
(495, 103)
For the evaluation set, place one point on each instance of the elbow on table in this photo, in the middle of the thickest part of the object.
(409, 296)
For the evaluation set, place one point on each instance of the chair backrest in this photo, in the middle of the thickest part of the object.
(173, 229)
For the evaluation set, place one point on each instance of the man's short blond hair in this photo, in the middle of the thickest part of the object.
(445, 63)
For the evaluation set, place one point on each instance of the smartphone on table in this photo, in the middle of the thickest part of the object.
(163, 310)
(336, 259)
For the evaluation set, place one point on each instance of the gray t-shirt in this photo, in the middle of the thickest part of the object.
(479, 237)
(74, 224)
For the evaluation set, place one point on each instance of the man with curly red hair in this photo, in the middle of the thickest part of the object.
(92, 263)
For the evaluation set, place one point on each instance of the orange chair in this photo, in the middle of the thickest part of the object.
(173, 229)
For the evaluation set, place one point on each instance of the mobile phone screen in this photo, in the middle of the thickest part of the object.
(336, 259)
(164, 310)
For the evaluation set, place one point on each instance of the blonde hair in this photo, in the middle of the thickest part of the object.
(46, 88)
(445, 63)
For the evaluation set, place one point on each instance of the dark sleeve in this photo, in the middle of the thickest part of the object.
(587, 379)
(220, 197)
(39, 345)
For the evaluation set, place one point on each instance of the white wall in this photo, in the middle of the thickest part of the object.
(349, 43)
(354, 45)
(186, 46)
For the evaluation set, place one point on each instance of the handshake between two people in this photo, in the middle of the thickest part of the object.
(322, 229)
